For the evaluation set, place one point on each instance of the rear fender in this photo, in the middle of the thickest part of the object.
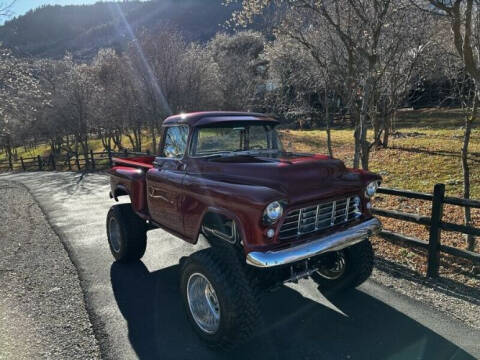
(129, 181)
(120, 190)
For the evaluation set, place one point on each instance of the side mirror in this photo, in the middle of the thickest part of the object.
(170, 152)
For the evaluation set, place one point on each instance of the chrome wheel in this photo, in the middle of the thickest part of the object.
(334, 269)
(114, 234)
(203, 303)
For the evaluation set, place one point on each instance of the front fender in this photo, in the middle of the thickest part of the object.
(243, 203)
(225, 212)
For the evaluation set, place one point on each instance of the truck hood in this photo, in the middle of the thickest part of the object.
(300, 177)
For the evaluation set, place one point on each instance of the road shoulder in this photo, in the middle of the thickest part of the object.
(453, 299)
(42, 309)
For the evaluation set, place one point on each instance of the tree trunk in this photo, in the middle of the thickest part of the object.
(469, 119)
(8, 148)
(154, 136)
(356, 136)
(362, 135)
(84, 144)
(388, 126)
(139, 138)
(327, 124)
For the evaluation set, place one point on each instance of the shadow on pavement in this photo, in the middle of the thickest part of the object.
(298, 328)
(70, 183)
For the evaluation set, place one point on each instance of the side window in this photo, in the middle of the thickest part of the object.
(258, 138)
(175, 141)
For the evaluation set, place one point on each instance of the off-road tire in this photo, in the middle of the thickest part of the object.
(132, 233)
(359, 266)
(239, 312)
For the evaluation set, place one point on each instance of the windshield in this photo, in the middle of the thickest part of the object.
(237, 139)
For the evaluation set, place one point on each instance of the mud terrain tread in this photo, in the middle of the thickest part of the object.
(359, 268)
(224, 266)
(133, 230)
(364, 257)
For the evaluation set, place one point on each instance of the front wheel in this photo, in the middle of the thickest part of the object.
(127, 233)
(219, 301)
(345, 269)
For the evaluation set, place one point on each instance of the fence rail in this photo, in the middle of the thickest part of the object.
(434, 222)
(103, 160)
(67, 161)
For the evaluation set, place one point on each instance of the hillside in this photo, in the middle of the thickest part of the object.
(50, 31)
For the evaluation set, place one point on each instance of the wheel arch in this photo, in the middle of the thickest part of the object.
(120, 190)
(214, 216)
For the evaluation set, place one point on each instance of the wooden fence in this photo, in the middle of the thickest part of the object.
(435, 224)
(68, 161)
(103, 160)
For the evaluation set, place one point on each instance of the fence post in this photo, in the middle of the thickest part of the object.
(10, 163)
(23, 164)
(125, 151)
(68, 161)
(148, 151)
(110, 157)
(77, 161)
(52, 160)
(92, 159)
(435, 230)
(39, 159)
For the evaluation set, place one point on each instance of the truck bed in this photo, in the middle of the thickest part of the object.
(145, 162)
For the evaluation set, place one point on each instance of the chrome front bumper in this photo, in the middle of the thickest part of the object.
(332, 242)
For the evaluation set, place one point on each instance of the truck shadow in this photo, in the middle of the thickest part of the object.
(292, 327)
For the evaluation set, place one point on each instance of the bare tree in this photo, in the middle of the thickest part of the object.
(5, 9)
(362, 29)
(154, 61)
(20, 96)
(464, 18)
(237, 58)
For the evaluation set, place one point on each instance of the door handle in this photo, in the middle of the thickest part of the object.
(153, 193)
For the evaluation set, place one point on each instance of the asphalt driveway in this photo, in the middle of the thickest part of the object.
(136, 309)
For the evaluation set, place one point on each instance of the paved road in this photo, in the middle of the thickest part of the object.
(136, 309)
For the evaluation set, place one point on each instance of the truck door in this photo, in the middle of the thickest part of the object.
(165, 180)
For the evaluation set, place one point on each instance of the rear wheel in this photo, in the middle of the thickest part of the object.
(219, 301)
(345, 269)
(127, 233)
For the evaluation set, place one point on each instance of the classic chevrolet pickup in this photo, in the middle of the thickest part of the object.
(270, 216)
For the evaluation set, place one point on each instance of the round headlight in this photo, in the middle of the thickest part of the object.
(371, 188)
(274, 211)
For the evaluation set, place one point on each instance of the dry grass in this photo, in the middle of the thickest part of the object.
(416, 159)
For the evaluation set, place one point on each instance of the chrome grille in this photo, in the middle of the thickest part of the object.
(318, 217)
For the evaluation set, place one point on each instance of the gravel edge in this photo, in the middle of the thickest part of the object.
(454, 299)
(43, 314)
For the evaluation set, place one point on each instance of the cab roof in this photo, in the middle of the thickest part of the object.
(206, 118)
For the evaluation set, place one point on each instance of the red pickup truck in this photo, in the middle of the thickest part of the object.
(270, 216)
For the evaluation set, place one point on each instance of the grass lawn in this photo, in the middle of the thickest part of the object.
(416, 160)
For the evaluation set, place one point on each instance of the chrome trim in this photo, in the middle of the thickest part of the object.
(334, 212)
(299, 223)
(231, 238)
(333, 242)
(347, 207)
(316, 217)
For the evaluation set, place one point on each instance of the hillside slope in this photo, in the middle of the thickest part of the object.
(50, 31)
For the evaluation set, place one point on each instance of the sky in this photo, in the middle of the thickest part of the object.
(20, 7)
